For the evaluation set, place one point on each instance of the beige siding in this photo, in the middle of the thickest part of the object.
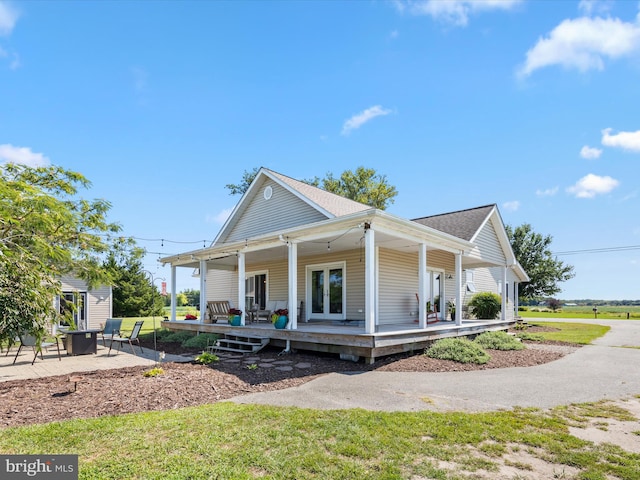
(283, 210)
(222, 285)
(488, 247)
(99, 300)
(397, 286)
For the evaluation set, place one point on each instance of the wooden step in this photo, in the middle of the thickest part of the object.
(239, 343)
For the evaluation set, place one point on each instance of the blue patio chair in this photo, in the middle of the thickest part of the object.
(111, 328)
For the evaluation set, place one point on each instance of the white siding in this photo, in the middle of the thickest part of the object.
(488, 247)
(222, 285)
(488, 280)
(283, 210)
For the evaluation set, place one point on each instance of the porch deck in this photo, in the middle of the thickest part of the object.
(348, 340)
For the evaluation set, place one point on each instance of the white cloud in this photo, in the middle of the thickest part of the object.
(511, 206)
(583, 43)
(549, 192)
(624, 140)
(8, 18)
(22, 155)
(394, 34)
(589, 7)
(591, 185)
(455, 12)
(363, 117)
(219, 217)
(590, 153)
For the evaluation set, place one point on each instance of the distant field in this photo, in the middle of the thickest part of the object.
(604, 312)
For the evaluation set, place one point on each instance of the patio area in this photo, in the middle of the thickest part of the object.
(50, 365)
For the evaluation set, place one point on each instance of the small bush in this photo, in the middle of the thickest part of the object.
(154, 372)
(485, 305)
(178, 337)
(201, 341)
(523, 309)
(206, 358)
(530, 337)
(162, 333)
(459, 350)
(498, 341)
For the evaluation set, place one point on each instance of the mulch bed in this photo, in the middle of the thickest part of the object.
(126, 390)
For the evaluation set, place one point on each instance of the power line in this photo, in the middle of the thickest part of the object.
(627, 248)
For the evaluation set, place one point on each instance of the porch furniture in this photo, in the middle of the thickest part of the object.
(431, 314)
(130, 339)
(110, 328)
(28, 340)
(81, 342)
(270, 308)
(216, 310)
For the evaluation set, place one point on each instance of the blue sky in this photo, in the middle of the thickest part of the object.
(532, 105)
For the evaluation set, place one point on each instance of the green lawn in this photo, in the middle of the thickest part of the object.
(229, 441)
(581, 333)
(605, 312)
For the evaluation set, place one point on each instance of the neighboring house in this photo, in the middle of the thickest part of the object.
(92, 306)
(338, 262)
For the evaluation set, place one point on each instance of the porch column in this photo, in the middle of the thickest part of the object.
(516, 299)
(203, 290)
(241, 286)
(293, 285)
(503, 309)
(459, 288)
(370, 313)
(174, 289)
(422, 286)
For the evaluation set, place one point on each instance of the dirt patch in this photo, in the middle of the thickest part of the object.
(125, 390)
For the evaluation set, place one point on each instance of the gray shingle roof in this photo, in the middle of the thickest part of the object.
(462, 224)
(332, 203)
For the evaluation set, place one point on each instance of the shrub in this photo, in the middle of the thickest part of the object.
(530, 337)
(459, 350)
(201, 341)
(154, 372)
(498, 341)
(523, 309)
(206, 358)
(485, 305)
(178, 337)
(163, 333)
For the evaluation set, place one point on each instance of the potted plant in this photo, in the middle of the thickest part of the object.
(235, 317)
(280, 318)
(451, 304)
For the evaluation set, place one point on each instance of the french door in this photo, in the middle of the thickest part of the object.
(326, 293)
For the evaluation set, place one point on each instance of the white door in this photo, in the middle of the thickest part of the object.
(326, 292)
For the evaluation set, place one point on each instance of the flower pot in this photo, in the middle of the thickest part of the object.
(453, 316)
(281, 322)
(235, 320)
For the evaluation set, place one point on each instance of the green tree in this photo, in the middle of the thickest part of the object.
(363, 185)
(47, 230)
(193, 297)
(134, 295)
(532, 250)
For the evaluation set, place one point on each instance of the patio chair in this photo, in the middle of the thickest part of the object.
(130, 339)
(110, 328)
(28, 340)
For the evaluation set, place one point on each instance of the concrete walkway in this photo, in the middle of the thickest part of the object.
(79, 363)
(603, 370)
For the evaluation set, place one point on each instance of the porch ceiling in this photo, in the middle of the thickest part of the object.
(334, 243)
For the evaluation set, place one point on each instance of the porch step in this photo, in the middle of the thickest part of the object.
(238, 343)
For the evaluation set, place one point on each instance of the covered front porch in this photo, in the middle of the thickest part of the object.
(349, 340)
